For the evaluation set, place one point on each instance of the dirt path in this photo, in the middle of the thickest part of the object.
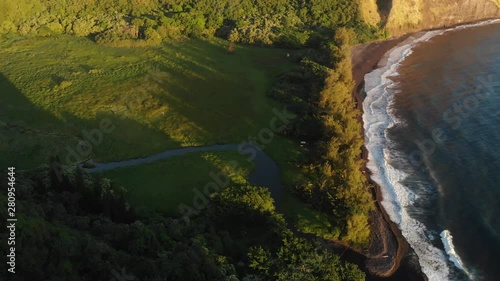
(266, 172)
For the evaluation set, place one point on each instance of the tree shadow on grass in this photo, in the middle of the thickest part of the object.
(221, 94)
(30, 135)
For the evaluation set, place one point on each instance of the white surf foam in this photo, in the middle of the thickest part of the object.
(377, 118)
(447, 240)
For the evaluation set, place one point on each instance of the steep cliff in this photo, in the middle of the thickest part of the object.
(402, 16)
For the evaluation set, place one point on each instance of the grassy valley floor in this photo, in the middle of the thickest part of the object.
(58, 90)
(166, 184)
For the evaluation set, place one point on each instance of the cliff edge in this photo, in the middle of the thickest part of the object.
(403, 16)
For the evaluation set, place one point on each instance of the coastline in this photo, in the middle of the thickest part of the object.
(391, 256)
(387, 237)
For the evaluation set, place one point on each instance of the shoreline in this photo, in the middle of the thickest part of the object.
(386, 235)
(388, 242)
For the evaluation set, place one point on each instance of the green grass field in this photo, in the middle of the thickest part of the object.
(185, 93)
(166, 184)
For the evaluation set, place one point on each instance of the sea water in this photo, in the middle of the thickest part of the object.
(432, 129)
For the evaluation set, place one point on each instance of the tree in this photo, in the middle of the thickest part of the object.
(152, 36)
(83, 27)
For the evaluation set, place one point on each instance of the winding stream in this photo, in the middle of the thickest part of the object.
(266, 172)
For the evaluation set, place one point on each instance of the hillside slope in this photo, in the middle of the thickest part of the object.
(403, 16)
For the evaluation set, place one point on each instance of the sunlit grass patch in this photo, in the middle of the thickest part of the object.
(166, 184)
(183, 93)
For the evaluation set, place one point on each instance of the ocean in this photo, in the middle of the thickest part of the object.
(432, 129)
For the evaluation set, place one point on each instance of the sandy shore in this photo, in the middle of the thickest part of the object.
(389, 257)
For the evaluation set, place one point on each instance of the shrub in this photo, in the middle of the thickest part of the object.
(82, 27)
(152, 36)
(7, 27)
(55, 27)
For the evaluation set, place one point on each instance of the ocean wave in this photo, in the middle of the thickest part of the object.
(377, 118)
(447, 240)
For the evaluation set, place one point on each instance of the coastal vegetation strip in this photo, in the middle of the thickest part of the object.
(319, 91)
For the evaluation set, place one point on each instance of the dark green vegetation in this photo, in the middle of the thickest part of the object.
(156, 75)
(82, 229)
(319, 91)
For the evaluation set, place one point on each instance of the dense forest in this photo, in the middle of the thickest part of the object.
(81, 228)
(288, 23)
(319, 90)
